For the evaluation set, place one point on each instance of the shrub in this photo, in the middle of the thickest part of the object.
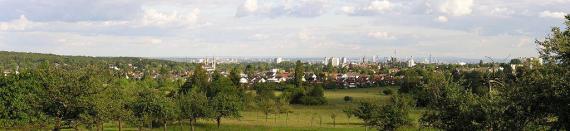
(388, 92)
(347, 99)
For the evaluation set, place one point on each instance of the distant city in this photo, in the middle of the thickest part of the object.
(335, 59)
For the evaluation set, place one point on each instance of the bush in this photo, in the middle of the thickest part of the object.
(314, 96)
(347, 99)
(388, 92)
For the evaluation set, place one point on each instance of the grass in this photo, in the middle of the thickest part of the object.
(302, 118)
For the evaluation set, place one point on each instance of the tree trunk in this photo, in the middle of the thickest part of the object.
(180, 124)
(192, 124)
(57, 126)
(218, 121)
(120, 125)
(164, 125)
(334, 123)
(140, 128)
(286, 118)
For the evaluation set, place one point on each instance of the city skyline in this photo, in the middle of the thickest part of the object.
(302, 28)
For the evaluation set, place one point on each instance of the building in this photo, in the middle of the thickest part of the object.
(411, 62)
(278, 60)
(335, 61)
(344, 60)
(210, 65)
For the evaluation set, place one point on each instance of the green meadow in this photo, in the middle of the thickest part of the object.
(302, 118)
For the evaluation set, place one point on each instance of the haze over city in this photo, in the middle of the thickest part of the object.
(307, 28)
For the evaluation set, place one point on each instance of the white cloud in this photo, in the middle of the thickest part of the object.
(248, 7)
(379, 6)
(452, 7)
(259, 37)
(155, 17)
(305, 35)
(502, 11)
(296, 8)
(373, 7)
(442, 19)
(549, 14)
(348, 9)
(19, 24)
(381, 35)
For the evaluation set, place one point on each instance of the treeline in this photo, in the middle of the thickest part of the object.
(533, 96)
(58, 96)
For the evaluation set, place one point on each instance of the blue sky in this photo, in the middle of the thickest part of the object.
(151, 28)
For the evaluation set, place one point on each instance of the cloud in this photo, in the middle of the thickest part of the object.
(70, 10)
(550, 14)
(154, 17)
(452, 7)
(381, 35)
(19, 24)
(372, 8)
(442, 19)
(294, 8)
(248, 7)
(379, 6)
(502, 11)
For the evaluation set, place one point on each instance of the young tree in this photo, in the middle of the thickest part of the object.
(194, 105)
(225, 105)
(333, 117)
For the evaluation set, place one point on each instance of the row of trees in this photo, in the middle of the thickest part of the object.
(67, 96)
(535, 96)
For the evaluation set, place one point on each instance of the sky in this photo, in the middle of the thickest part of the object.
(309, 28)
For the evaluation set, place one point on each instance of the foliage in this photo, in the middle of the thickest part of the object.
(383, 117)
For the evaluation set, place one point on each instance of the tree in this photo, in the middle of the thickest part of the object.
(267, 106)
(112, 104)
(68, 92)
(198, 79)
(556, 47)
(225, 105)
(282, 106)
(515, 61)
(333, 117)
(383, 117)
(194, 105)
(153, 108)
(20, 101)
(235, 75)
(299, 73)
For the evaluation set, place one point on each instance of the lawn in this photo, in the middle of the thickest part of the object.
(301, 118)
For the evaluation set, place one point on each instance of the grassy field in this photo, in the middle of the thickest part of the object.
(302, 117)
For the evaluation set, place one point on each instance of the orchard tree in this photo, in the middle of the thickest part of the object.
(225, 105)
(194, 105)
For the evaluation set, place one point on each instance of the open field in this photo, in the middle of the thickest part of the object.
(302, 117)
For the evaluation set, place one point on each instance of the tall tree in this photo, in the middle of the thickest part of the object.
(235, 75)
(299, 73)
(556, 47)
(198, 79)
